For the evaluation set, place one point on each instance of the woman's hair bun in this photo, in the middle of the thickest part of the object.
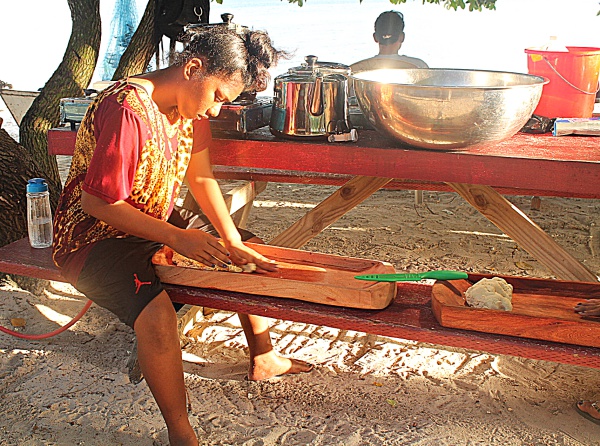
(227, 52)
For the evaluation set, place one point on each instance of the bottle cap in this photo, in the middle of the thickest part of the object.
(37, 185)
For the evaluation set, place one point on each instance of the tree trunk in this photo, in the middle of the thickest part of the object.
(18, 165)
(71, 77)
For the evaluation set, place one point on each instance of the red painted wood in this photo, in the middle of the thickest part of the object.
(543, 164)
(61, 141)
(408, 317)
(299, 177)
(538, 312)
(557, 166)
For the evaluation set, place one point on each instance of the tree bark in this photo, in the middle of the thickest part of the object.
(18, 165)
(71, 77)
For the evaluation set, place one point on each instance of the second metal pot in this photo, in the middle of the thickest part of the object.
(311, 100)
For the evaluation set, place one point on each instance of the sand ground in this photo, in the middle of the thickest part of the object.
(73, 389)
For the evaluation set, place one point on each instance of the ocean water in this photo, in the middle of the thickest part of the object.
(341, 30)
(334, 30)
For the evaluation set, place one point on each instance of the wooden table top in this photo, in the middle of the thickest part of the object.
(561, 166)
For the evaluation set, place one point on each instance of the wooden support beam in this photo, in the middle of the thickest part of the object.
(514, 223)
(235, 199)
(329, 210)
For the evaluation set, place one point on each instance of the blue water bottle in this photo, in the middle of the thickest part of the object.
(39, 214)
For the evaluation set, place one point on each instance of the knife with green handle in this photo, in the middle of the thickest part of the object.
(439, 275)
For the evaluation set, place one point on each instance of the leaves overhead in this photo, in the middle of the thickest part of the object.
(473, 5)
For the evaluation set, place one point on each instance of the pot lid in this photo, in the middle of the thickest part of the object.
(312, 65)
(309, 78)
(227, 22)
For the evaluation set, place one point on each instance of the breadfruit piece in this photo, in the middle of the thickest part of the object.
(494, 294)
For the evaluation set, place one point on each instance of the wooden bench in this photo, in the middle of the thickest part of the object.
(408, 317)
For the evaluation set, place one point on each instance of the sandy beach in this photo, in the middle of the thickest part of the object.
(73, 389)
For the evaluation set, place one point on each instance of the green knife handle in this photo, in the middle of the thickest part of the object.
(445, 275)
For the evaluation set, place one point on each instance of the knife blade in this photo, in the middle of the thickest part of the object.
(414, 277)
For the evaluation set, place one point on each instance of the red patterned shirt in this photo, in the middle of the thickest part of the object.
(126, 149)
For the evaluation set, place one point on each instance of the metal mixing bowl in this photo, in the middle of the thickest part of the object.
(446, 108)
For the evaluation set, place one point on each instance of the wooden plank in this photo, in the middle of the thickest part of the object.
(545, 314)
(564, 166)
(570, 166)
(330, 179)
(329, 210)
(308, 276)
(61, 141)
(240, 217)
(409, 316)
(243, 195)
(514, 223)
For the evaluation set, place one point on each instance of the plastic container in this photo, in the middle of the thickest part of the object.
(573, 77)
(39, 214)
(554, 45)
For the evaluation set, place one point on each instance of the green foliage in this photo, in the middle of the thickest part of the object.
(474, 5)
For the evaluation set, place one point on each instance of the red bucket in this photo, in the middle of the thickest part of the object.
(573, 77)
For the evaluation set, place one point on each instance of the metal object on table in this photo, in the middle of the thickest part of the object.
(72, 110)
(312, 101)
(227, 22)
(243, 116)
(447, 108)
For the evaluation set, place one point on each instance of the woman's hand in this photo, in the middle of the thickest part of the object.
(241, 254)
(202, 247)
(590, 307)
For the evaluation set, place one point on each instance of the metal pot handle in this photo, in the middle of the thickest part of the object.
(317, 106)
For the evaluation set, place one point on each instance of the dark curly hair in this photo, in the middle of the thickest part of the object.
(388, 27)
(228, 52)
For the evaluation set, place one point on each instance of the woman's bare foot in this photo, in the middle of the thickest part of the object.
(268, 365)
(188, 439)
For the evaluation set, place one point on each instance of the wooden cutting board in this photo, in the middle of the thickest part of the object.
(542, 309)
(309, 276)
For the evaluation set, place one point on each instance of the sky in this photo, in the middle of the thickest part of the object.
(34, 33)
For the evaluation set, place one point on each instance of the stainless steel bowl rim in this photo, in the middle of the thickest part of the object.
(537, 79)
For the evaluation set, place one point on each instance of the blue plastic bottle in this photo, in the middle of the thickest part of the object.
(39, 214)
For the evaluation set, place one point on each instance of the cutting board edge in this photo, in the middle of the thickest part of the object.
(375, 297)
(446, 315)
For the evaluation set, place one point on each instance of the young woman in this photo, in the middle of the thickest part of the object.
(137, 142)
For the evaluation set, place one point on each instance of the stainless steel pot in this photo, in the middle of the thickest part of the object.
(311, 100)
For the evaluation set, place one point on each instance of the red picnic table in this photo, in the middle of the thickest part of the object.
(540, 165)
(543, 165)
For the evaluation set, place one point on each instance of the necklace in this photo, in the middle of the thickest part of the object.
(173, 115)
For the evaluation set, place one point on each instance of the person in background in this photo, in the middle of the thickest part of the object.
(389, 34)
(589, 409)
(138, 140)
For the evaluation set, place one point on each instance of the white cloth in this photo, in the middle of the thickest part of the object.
(418, 63)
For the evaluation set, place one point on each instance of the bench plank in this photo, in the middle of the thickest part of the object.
(409, 316)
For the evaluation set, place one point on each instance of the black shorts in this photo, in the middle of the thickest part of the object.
(118, 273)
